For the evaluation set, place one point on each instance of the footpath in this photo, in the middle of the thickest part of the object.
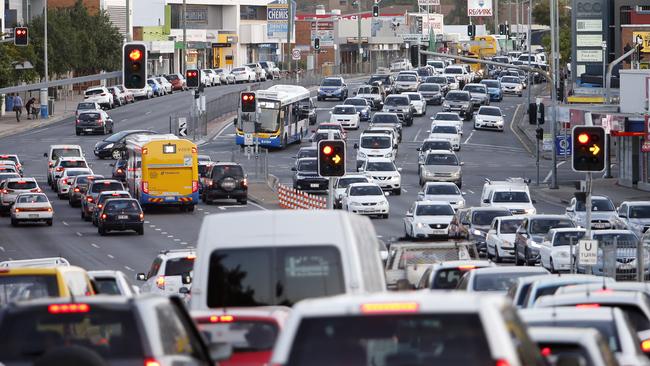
(63, 109)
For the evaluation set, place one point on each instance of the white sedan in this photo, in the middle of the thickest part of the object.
(244, 74)
(365, 199)
(342, 183)
(443, 191)
(500, 238)
(426, 219)
(489, 118)
(32, 207)
(512, 85)
(418, 102)
(448, 117)
(555, 250)
(346, 116)
(446, 131)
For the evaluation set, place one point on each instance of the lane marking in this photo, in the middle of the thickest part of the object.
(222, 130)
(152, 226)
(157, 229)
(470, 191)
(129, 268)
(469, 137)
(222, 208)
(404, 190)
(2, 249)
(183, 243)
(110, 256)
(79, 234)
(170, 236)
(164, 233)
(177, 239)
(521, 141)
(258, 206)
(550, 172)
(64, 223)
(147, 222)
(147, 113)
(94, 245)
(415, 139)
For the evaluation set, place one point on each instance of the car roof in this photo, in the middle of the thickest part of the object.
(224, 163)
(511, 269)
(462, 263)
(612, 286)
(636, 203)
(72, 158)
(107, 193)
(20, 179)
(441, 152)
(568, 278)
(563, 334)
(566, 230)
(439, 184)
(378, 160)
(432, 202)
(363, 184)
(567, 313)
(546, 216)
(591, 297)
(65, 146)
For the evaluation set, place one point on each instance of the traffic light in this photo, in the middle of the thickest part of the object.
(134, 67)
(21, 36)
(471, 30)
(502, 29)
(375, 10)
(317, 43)
(193, 78)
(539, 133)
(248, 102)
(532, 113)
(540, 114)
(508, 30)
(331, 158)
(589, 148)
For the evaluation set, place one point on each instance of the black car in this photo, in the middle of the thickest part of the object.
(112, 146)
(226, 181)
(119, 170)
(101, 201)
(93, 122)
(120, 214)
(306, 176)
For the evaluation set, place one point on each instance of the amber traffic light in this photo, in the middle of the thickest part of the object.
(134, 67)
(589, 149)
(331, 158)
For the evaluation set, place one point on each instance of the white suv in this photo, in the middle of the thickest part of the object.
(170, 271)
(10, 188)
(383, 172)
(99, 95)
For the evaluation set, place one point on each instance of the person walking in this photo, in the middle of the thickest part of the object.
(18, 106)
(29, 106)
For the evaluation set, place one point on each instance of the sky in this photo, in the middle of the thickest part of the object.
(148, 12)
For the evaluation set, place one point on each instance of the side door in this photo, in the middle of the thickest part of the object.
(521, 236)
(623, 215)
(409, 219)
(492, 237)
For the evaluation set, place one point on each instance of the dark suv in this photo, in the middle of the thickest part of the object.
(143, 330)
(120, 214)
(226, 180)
(94, 189)
(93, 122)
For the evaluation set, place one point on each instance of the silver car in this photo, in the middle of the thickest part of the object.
(406, 83)
(635, 216)
(479, 94)
(441, 166)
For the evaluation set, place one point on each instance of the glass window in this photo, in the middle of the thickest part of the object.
(510, 226)
(444, 129)
(429, 87)
(57, 153)
(122, 205)
(489, 111)
(380, 166)
(90, 116)
(107, 286)
(73, 164)
(345, 182)
(376, 142)
(101, 186)
(596, 205)
(484, 218)
(179, 266)
(448, 278)
(385, 118)
(307, 153)
(491, 83)
(390, 340)
(407, 78)
(273, 275)
(499, 281)
(175, 339)
(414, 96)
(447, 117)
(639, 212)
(511, 196)
(355, 101)
(308, 165)
(32, 198)
(434, 210)
(510, 79)
(400, 101)
(446, 189)
(344, 110)
(606, 328)
(542, 226)
(441, 159)
(453, 70)
(155, 266)
(21, 184)
(86, 105)
(24, 287)
(568, 238)
(475, 89)
(369, 190)
(458, 96)
(268, 121)
(219, 171)
(94, 92)
(331, 82)
(436, 145)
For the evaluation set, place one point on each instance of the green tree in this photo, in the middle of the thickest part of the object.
(542, 15)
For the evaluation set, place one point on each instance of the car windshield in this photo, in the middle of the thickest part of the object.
(273, 275)
(436, 64)
(606, 328)
(346, 181)
(447, 117)
(567, 238)
(385, 118)
(67, 153)
(106, 186)
(32, 198)
(508, 196)
(441, 159)
(640, 212)
(366, 191)
(437, 80)
(448, 278)
(376, 142)
(499, 281)
(596, 205)
(453, 70)
(86, 106)
(4, 176)
(380, 166)
(458, 97)
(331, 82)
(409, 78)
(510, 226)
(444, 129)
(429, 87)
(356, 101)
(623, 240)
(414, 96)
(446, 189)
(436, 145)
(310, 165)
(475, 88)
(510, 79)
(94, 92)
(21, 184)
(489, 111)
(110, 331)
(401, 101)
(344, 110)
(242, 335)
(542, 226)
(387, 340)
(490, 83)
(434, 210)
(307, 153)
(485, 217)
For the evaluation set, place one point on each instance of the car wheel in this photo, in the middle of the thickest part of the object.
(385, 216)
(14, 222)
(497, 258)
(101, 231)
(49, 222)
(517, 261)
(116, 154)
(140, 230)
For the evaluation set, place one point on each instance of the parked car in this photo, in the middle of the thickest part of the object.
(260, 73)
(156, 87)
(118, 96)
(177, 81)
(244, 74)
(100, 95)
(272, 71)
(166, 85)
(225, 76)
(212, 77)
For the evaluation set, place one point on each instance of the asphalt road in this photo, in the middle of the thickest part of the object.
(486, 154)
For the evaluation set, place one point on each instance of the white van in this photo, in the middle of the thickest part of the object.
(280, 257)
(58, 151)
(512, 194)
(375, 145)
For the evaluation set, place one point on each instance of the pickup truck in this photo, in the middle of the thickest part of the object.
(407, 261)
(375, 94)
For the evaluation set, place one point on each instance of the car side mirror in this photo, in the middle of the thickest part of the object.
(533, 201)
(220, 351)
(486, 201)
(141, 277)
(409, 214)
(399, 169)
(45, 155)
(386, 194)
(186, 278)
(395, 146)
(293, 169)
(462, 163)
(184, 290)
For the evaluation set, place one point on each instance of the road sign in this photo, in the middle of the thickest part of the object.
(563, 145)
(295, 54)
(182, 126)
(588, 250)
(414, 37)
(248, 139)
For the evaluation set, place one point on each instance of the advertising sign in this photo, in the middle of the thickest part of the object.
(479, 8)
(325, 32)
(645, 36)
(428, 2)
(590, 55)
(435, 23)
(277, 14)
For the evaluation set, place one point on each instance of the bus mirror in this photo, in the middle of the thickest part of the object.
(235, 121)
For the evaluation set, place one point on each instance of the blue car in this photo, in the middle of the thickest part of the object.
(157, 89)
(494, 89)
(333, 87)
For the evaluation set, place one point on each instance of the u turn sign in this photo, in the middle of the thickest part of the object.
(479, 8)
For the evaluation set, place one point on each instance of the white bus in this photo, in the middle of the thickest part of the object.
(283, 116)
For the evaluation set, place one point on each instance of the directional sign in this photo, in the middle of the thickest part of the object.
(295, 54)
(248, 139)
(182, 126)
(588, 250)
(563, 145)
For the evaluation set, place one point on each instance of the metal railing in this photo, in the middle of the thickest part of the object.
(620, 259)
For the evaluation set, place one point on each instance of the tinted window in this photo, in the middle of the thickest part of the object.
(122, 206)
(21, 184)
(510, 226)
(94, 92)
(437, 79)
(380, 166)
(517, 197)
(414, 97)
(24, 287)
(74, 173)
(406, 78)
(385, 118)
(178, 266)
(429, 87)
(624, 240)
(455, 96)
(498, 281)
(490, 111)
(475, 89)
(376, 142)
(391, 340)
(243, 336)
(57, 153)
(441, 159)
(273, 276)
(98, 187)
(307, 153)
(486, 217)
(510, 79)
(345, 182)
(73, 164)
(607, 329)
(434, 210)
(447, 117)
(86, 106)
(443, 190)
(344, 110)
(435, 145)
(640, 212)
(444, 129)
(574, 349)
(366, 191)
(448, 278)
(107, 286)
(308, 165)
(596, 205)
(542, 226)
(229, 170)
(356, 101)
(397, 101)
(106, 197)
(111, 332)
(453, 70)
(331, 82)
(491, 83)
(567, 238)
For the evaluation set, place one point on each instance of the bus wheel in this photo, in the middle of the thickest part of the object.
(284, 141)
(190, 208)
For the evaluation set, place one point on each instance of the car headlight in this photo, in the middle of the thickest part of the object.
(530, 211)
(361, 155)
(108, 146)
(478, 233)
(445, 105)
(455, 174)
(478, 120)
(461, 203)
(419, 225)
(428, 173)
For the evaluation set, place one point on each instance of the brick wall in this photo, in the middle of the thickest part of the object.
(303, 38)
(91, 5)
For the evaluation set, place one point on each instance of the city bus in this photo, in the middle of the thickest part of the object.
(283, 112)
(162, 170)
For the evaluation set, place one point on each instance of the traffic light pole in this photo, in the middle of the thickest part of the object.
(588, 209)
(330, 180)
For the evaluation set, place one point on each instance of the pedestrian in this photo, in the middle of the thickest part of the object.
(18, 106)
(29, 105)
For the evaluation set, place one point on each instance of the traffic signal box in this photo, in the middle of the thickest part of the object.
(134, 67)
(589, 149)
(193, 78)
(331, 158)
(21, 36)
(248, 102)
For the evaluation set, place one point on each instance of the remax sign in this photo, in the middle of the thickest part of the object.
(479, 8)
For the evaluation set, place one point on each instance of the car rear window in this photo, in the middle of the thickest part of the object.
(21, 184)
(58, 153)
(273, 275)
(179, 266)
(448, 278)
(229, 170)
(25, 287)
(94, 92)
(498, 281)
(388, 340)
(98, 187)
(606, 328)
(104, 198)
(73, 164)
(242, 335)
(86, 106)
(107, 286)
(574, 349)
(111, 332)
(119, 205)
(90, 116)
(542, 226)
(486, 217)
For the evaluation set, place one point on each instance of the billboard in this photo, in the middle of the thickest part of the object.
(277, 14)
(428, 2)
(325, 32)
(435, 23)
(479, 8)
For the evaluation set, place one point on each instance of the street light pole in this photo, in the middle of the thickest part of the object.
(359, 59)
(45, 68)
(184, 55)
(555, 58)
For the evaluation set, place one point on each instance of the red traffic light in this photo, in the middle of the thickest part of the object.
(191, 74)
(248, 97)
(20, 32)
(327, 150)
(135, 54)
(583, 138)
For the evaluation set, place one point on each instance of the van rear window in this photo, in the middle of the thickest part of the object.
(24, 287)
(58, 153)
(416, 340)
(273, 276)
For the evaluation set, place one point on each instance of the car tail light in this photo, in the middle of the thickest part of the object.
(68, 308)
(195, 186)
(210, 182)
(244, 183)
(588, 305)
(104, 216)
(151, 362)
(50, 164)
(59, 169)
(49, 209)
(76, 189)
(390, 308)
(64, 181)
(222, 319)
(99, 205)
(103, 94)
(502, 363)
(141, 216)
(194, 150)
(160, 282)
(100, 121)
(120, 171)
(546, 351)
(89, 199)
(16, 210)
(4, 191)
(145, 186)
(645, 346)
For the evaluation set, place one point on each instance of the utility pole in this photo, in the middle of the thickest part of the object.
(128, 21)
(530, 86)
(47, 76)
(496, 16)
(518, 25)
(360, 56)
(184, 55)
(289, 31)
(554, 57)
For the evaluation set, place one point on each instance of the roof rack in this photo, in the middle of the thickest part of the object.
(167, 251)
(38, 262)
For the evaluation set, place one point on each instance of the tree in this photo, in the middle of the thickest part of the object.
(542, 15)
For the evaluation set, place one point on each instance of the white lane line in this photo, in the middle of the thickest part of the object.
(157, 229)
(147, 222)
(94, 245)
(2, 249)
(200, 209)
(550, 172)
(170, 236)
(64, 223)
(404, 190)
(79, 234)
(147, 113)
(221, 131)
(415, 139)
(469, 137)
(177, 239)
(152, 226)
(470, 191)
(124, 120)
(183, 243)
(164, 233)
(110, 256)
(258, 206)
(206, 212)
(129, 268)
(222, 208)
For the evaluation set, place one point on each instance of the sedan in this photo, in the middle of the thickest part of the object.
(432, 93)
(489, 118)
(112, 146)
(555, 250)
(32, 207)
(512, 85)
(426, 219)
(244, 74)
(418, 102)
(365, 199)
(93, 122)
(346, 116)
(362, 107)
(121, 214)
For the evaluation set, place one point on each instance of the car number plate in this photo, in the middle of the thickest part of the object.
(314, 185)
(32, 216)
(122, 217)
(170, 198)
(88, 129)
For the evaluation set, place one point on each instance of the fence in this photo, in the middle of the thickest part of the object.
(620, 257)
(294, 199)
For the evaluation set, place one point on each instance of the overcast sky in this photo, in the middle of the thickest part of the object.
(148, 12)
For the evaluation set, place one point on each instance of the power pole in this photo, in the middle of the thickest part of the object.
(554, 57)
(184, 55)
(47, 77)
(289, 31)
(128, 21)
(360, 56)
(496, 16)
